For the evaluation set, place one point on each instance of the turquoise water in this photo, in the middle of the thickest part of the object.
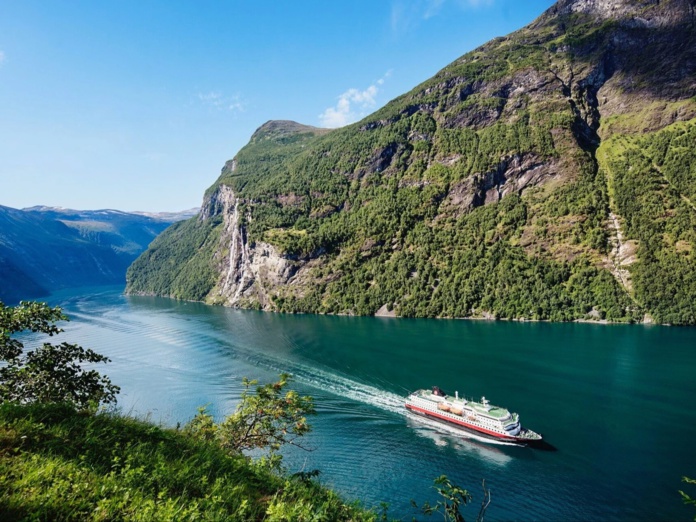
(615, 401)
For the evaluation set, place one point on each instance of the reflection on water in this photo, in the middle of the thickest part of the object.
(460, 440)
(588, 388)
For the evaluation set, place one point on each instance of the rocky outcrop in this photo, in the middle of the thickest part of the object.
(385, 311)
(279, 130)
(632, 13)
(214, 203)
(249, 274)
(512, 176)
(622, 253)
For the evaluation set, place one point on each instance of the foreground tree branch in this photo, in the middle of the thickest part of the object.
(265, 419)
(686, 498)
(452, 499)
(50, 373)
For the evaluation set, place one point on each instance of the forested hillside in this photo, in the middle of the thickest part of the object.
(549, 174)
(43, 249)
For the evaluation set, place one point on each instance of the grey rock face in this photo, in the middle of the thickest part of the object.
(247, 272)
(639, 13)
(513, 175)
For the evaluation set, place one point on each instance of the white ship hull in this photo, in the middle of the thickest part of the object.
(478, 417)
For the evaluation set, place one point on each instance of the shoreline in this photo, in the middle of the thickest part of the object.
(382, 313)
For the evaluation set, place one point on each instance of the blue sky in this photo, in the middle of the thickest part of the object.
(137, 105)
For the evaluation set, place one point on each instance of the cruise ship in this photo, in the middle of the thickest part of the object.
(480, 417)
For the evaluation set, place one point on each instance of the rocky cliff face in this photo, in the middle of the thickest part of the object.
(248, 274)
(631, 13)
(513, 175)
(545, 175)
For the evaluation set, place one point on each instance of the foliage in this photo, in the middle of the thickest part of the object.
(178, 262)
(59, 464)
(266, 419)
(50, 373)
(453, 499)
(687, 499)
(653, 181)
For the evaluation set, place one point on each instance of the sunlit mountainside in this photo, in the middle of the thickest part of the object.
(549, 174)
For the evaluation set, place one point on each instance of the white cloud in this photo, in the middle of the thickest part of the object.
(407, 14)
(2, 57)
(352, 105)
(432, 8)
(217, 100)
(213, 99)
(235, 104)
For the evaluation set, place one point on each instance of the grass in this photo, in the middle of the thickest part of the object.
(59, 464)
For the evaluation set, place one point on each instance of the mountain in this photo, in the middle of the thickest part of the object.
(46, 248)
(549, 174)
(170, 217)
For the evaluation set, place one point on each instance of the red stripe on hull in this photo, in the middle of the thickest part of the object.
(462, 423)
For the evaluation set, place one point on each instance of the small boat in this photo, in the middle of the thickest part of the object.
(480, 417)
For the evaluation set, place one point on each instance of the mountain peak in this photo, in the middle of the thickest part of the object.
(279, 130)
(650, 13)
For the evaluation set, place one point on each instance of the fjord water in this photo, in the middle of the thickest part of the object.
(615, 401)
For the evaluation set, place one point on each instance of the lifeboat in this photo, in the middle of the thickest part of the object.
(443, 406)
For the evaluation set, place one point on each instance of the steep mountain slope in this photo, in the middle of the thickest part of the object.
(44, 249)
(549, 174)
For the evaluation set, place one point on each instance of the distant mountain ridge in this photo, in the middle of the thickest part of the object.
(47, 248)
(548, 174)
(70, 213)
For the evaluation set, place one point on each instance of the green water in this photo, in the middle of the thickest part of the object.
(615, 401)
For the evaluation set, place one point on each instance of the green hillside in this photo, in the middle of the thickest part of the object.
(549, 174)
(59, 464)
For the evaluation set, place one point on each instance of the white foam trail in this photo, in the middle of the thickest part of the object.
(342, 386)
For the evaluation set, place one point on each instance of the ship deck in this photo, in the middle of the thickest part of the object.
(494, 411)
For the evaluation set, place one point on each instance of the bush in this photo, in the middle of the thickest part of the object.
(50, 373)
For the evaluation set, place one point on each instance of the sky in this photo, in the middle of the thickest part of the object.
(135, 105)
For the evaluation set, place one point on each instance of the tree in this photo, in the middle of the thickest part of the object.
(49, 373)
(266, 419)
(453, 499)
